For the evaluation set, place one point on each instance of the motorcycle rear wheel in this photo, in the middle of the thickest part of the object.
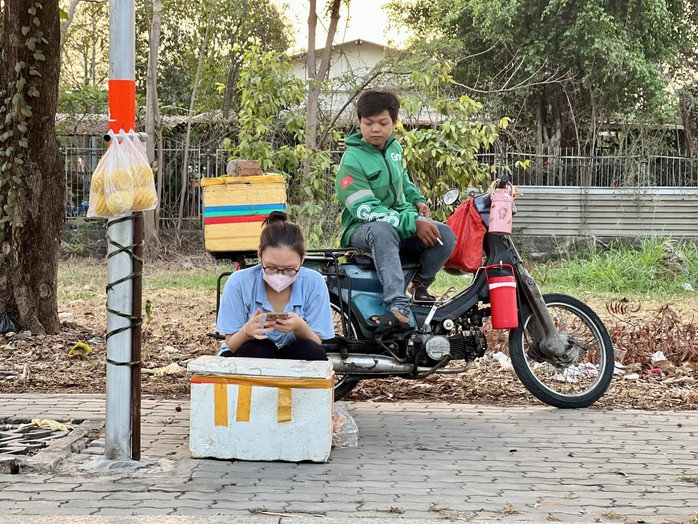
(344, 383)
(580, 384)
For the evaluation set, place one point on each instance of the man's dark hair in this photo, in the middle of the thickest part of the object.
(373, 102)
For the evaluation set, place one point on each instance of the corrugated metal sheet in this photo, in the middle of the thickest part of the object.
(606, 212)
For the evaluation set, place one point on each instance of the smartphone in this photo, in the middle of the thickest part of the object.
(277, 315)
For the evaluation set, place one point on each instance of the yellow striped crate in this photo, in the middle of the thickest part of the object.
(235, 207)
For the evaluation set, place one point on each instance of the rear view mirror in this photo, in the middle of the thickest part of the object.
(451, 196)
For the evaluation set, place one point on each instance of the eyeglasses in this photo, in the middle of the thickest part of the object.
(287, 271)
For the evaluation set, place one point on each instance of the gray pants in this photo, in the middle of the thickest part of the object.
(385, 245)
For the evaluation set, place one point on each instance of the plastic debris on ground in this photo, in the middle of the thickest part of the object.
(503, 360)
(170, 369)
(7, 325)
(657, 356)
(45, 423)
(80, 349)
(345, 432)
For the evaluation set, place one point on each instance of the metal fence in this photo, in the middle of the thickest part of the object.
(80, 162)
(566, 168)
(561, 168)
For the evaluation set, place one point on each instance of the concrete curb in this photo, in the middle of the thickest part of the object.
(52, 455)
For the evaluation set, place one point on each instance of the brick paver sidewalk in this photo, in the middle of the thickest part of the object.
(421, 461)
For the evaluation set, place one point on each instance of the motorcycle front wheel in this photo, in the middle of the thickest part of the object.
(579, 384)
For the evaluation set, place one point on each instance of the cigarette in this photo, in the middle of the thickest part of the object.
(439, 241)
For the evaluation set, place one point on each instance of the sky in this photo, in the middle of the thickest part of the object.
(367, 21)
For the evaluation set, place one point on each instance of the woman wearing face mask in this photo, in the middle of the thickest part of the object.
(278, 283)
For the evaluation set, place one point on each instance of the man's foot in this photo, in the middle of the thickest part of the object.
(420, 293)
(391, 319)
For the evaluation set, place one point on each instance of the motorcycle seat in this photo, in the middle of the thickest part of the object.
(364, 260)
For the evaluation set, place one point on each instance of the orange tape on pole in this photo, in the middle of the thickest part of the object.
(122, 105)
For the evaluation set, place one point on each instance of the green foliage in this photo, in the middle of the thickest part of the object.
(15, 116)
(313, 205)
(656, 266)
(270, 102)
(85, 54)
(235, 26)
(86, 99)
(443, 155)
(272, 128)
(582, 62)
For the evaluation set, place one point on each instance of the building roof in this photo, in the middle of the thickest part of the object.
(97, 124)
(344, 45)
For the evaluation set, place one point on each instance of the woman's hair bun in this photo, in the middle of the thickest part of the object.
(276, 216)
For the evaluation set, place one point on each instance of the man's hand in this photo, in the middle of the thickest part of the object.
(427, 232)
(423, 209)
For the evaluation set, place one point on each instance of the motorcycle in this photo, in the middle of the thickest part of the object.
(559, 348)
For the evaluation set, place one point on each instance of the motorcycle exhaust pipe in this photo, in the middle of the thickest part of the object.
(368, 364)
(380, 365)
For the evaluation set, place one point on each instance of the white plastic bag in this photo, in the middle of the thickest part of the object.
(98, 203)
(345, 432)
(118, 180)
(145, 196)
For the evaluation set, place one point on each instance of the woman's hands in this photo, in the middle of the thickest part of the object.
(257, 326)
(295, 324)
(291, 324)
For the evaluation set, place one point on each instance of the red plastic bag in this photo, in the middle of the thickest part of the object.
(467, 224)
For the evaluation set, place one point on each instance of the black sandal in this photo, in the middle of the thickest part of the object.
(420, 294)
(388, 320)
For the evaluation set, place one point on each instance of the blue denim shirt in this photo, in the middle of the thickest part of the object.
(244, 293)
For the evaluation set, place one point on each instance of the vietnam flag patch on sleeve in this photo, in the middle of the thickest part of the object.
(346, 181)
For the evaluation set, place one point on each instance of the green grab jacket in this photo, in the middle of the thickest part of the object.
(373, 185)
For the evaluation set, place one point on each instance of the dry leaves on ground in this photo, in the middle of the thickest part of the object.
(176, 328)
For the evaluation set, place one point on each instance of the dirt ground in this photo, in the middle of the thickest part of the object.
(176, 323)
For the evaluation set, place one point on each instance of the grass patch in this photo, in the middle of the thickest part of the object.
(654, 268)
(190, 280)
(658, 267)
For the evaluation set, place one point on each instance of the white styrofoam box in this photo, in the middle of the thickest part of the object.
(261, 409)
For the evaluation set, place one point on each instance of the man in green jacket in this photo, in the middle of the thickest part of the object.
(384, 212)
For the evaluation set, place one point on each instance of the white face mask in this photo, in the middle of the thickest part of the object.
(279, 282)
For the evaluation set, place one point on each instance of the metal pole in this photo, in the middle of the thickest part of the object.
(136, 336)
(122, 114)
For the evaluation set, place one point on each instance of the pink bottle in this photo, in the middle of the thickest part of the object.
(501, 210)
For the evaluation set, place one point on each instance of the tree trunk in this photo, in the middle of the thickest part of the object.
(688, 107)
(234, 62)
(152, 115)
(65, 24)
(540, 127)
(192, 101)
(315, 77)
(33, 192)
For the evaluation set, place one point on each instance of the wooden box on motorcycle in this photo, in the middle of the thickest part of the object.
(261, 409)
(235, 207)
